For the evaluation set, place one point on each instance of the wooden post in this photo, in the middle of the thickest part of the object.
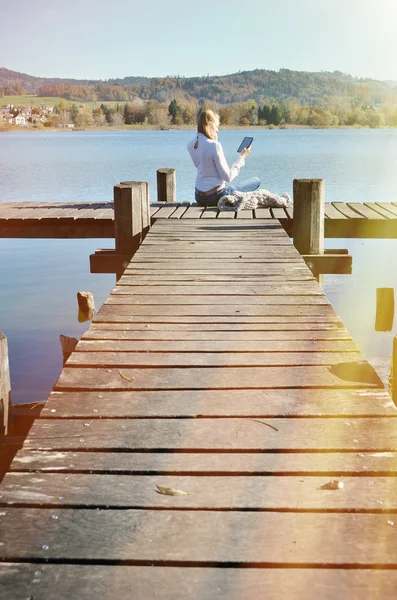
(309, 215)
(145, 203)
(130, 211)
(384, 309)
(5, 386)
(394, 371)
(166, 185)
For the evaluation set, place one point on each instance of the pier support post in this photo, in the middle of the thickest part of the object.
(5, 386)
(131, 217)
(394, 371)
(309, 215)
(166, 185)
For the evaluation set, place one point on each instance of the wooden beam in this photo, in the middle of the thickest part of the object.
(5, 386)
(329, 263)
(108, 261)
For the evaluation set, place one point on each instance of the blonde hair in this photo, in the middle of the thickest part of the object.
(205, 120)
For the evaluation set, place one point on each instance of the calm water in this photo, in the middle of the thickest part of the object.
(39, 279)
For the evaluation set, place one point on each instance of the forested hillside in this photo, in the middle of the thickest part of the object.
(260, 85)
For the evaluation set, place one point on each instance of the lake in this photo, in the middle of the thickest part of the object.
(39, 279)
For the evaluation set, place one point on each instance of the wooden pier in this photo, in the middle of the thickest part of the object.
(96, 219)
(216, 434)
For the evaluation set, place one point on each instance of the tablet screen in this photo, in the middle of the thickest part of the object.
(247, 141)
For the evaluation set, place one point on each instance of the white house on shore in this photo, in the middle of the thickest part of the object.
(19, 120)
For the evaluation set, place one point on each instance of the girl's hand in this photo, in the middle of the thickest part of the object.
(245, 152)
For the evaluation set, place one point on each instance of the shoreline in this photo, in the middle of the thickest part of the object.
(19, 129)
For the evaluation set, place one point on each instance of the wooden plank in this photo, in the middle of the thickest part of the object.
(332, 212)
(210, 213)
(364, 210)
(215, 331)
(263, 213)
(229, 434)
(279, 213)
(345, 210)
(293, 493)
(122, 359)
(218, 345)
(180, 583)
(332, 464)
(296, 288)
(193, 212)
(166, 211)
(363, 539)
(216, 403)
(226, 214)
(180, 211)
(228, 321)
(234, 259)
(245, 214)
(117, 312)
(379, 207)
(272, 337)
(266, 252)
(155, 299)
(193, 278)
(344, 375)
(221, 267)
(390, 208)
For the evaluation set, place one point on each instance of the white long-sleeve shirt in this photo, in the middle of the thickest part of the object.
(211, 164)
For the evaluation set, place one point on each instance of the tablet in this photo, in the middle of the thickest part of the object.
(247, 141)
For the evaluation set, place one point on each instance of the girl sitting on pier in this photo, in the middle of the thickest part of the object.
(214, 175)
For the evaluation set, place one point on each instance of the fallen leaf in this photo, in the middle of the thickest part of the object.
(170, 491)
(124, 376)
(332, 485)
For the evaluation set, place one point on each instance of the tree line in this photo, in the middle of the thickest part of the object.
(339, 112)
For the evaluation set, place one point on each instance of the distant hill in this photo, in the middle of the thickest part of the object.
(306, 88)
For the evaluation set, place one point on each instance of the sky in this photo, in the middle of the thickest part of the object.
(98, 39)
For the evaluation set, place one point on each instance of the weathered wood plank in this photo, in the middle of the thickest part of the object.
(379, 208)
(332, 212)
(210, 213)
(345, 210)
(118, 312)
(235, 346)
(269, 288)
(258, 337)
(180, 211)
(263, 213)
(201, 266)
(229, 321)
(238, 259)
(185, 299)
(245, 214)
(135, 535)
(166, 211)
(155, 277)
(226, 214)
(332, 464)
(388, 207)
(293, 493)
(182, 583)
(229, 434)
(217, 403)
(365, 211)
(233, 358)
(193, 212)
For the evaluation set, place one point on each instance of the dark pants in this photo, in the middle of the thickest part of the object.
(249, 185)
